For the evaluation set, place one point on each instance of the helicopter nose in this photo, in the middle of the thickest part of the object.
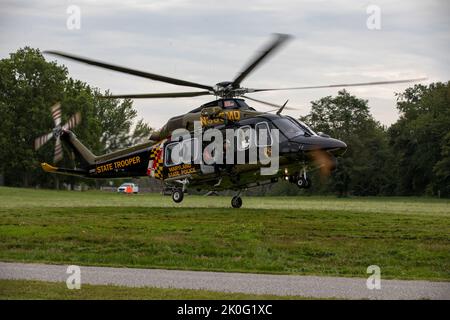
(336, 147)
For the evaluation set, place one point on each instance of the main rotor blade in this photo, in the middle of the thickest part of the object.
(138, 73)
(375, 83)
(277, 106)
(39, 142)
(73, 121)
(268, 50)
(56, 114)
(159, 95)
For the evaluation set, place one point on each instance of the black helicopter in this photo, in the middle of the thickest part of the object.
(183, 161)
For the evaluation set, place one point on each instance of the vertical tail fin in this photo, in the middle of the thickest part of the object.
(80, 149)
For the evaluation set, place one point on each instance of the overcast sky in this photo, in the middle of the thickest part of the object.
(210, 41)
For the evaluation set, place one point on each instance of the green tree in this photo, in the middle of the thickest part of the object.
(442, 168)
(418, 139)
(29, 86)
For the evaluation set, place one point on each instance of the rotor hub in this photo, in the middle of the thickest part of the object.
(224, 89)
(227, 89)
(57, 131)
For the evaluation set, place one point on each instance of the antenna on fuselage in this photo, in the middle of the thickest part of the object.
(282, 107)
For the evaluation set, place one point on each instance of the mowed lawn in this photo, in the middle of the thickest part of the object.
(409, 238)
(30, 290)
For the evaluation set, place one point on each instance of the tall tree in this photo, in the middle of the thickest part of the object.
(419, 141)
(28, 85)
(442, 168)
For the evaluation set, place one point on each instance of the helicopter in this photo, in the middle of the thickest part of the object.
(245, 147)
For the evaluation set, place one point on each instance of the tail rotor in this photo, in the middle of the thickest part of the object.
(57, 131)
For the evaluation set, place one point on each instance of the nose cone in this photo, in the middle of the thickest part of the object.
(337, 147)
(333, 146)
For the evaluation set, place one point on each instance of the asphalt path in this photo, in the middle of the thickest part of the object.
(287, 285)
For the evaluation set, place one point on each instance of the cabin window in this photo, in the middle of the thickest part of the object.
(186, 151)
(244, 138)
(171, 154)
(263, 136)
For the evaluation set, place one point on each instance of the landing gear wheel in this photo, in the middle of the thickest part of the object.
(177, 195)
(302, 182)
(236, 202)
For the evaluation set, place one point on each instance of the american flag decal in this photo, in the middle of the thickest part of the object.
(228, 103)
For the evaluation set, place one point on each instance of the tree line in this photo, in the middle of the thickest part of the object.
(410, 157)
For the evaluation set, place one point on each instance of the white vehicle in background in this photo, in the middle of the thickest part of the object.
(128, 188)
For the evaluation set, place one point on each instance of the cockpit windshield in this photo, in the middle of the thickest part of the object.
(304, 126)
(289, 128)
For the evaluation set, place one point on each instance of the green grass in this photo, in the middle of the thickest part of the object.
(29, 198)
(31, 290)
(409, 238)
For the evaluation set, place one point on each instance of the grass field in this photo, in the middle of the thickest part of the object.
(24, 290)
(409, 238)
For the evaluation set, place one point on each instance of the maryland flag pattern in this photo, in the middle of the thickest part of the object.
(155, 165)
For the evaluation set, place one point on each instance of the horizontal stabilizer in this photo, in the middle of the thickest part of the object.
(74, 172)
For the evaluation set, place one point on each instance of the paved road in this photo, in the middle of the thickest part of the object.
(307, 286)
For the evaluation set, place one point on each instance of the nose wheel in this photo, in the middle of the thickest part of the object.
(236, 202)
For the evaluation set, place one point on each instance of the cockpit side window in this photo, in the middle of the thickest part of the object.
(288, 127)
(304, 126)
(185, 151)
